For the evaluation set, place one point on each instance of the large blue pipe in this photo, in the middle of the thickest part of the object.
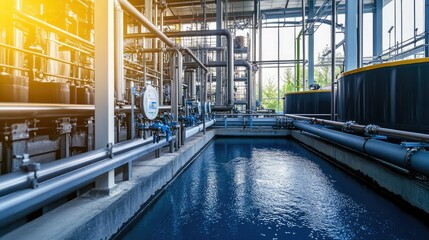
(407, 158)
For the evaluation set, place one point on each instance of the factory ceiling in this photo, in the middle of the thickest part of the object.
(185, 11)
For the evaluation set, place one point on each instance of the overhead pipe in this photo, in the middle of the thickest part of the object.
(154, 31)
(19, 204)
(14, 111)
(19, 180)
(130, 9)
(369, 129)
(408, 158)
(203, 33)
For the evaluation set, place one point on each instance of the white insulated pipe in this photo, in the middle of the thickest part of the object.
(192, 131)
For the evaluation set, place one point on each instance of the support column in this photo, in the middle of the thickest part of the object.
(427, 28)
(303, 45)
(260, 69)
(377, 34)
(104, 83)
(333, 48)
(350, 51)
(219, 82)
(311, 44)
(360, 34)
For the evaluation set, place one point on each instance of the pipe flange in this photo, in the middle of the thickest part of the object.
(409, 156)
(347, 126)
(371, 129)
(313, 121)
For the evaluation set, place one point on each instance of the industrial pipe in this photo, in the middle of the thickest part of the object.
(19, 204)
(241, 63)
(202, 33)
(372, 129)
(192, 131)
(407, 158)
(119, 53)
(130, 9)
(249, 81)
(19, 180)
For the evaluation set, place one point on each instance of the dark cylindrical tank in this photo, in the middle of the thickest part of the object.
(82, 95)
(392, 95)
(307, 102)
(13, 88)
(73, 94)
(91, 95)
(49, 92)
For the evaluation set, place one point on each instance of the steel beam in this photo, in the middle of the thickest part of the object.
(377, 45)
(104, 83)
(350, 51)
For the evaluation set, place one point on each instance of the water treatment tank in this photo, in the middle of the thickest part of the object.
(392, 95)
(13, 88)
(307, 102)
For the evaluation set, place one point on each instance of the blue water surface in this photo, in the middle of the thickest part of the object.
(271, 189)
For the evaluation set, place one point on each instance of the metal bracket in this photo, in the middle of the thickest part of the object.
(33, 167)
(110, 150)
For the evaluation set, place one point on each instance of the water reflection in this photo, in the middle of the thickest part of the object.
(271, 188)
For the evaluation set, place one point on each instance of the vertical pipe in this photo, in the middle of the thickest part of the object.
(17, 41)
(174, 95)
(311, 44)
(402, 25)
(180, 79)
(133, 125)
(255, 20)
(278, 67)
(255, 28)
(333, 48)
(144, 70)
(426, 28)
(303, 45)
(360, 34)
(119, 53)
(394, 34)
(414, 24)
(155, 41)
(161, 63)
(260, 69)
(219, 83)
(377, 48)
(296, 64)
